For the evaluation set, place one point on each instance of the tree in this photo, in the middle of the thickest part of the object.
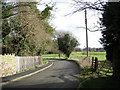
(46, 12)
(24, 30)
(110, 28)
(81, 5)
(67, 43)
(111, 35)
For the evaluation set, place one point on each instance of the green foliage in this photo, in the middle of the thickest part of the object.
(45, 14)
(111, 35)
(23, 30)
(48, 28)
(5, 28)
(111, 20)
(67, 43)
(14, 38)
(45, 62)
(6, 13)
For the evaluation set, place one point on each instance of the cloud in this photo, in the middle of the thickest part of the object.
(71, 22)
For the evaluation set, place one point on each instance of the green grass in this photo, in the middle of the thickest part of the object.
(100, 79)
(45, 62)
(51, 56)
(95, 80)
(104, 82)
(77, 55)
(99, 55)
(92, 80)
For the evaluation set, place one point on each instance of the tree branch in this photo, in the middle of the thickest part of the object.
(19, 5)
(99, 29)
(4, 17)
(98, 5)
(81, 6)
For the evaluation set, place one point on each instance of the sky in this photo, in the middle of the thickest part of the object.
(72, 22)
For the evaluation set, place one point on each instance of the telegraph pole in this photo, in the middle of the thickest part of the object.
(86, 32)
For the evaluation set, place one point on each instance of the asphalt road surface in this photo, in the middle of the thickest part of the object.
(63, 74)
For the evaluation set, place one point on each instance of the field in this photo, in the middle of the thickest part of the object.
(101, 79)
(76, 55)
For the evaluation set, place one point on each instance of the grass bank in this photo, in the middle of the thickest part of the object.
(102, 78)
(103, 82)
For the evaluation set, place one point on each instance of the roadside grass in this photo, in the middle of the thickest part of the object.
(43, 63)
(103, 82)
(102, 78)
(76, 55)
(90, 79)
(99, 79)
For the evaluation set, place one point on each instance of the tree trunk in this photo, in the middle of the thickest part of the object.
(116, 62)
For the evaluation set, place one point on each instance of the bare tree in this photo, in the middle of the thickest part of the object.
(82, 5)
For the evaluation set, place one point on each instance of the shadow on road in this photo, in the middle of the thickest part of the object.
(63, 74)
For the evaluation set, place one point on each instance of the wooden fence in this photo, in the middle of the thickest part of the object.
(101, 67)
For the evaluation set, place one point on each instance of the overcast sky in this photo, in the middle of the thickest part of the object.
(71, 23)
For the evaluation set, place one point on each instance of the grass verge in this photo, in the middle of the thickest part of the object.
(98, 79)
(43, 63)
(103, 82)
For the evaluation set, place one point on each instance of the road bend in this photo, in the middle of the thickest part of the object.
(62, 74)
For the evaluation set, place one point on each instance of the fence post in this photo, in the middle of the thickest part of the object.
(96, 64)
(92, 62)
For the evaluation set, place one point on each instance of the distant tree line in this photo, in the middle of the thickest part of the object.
(94, 49)
(89, 49)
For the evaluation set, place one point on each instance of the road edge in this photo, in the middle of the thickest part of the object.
(5, 83)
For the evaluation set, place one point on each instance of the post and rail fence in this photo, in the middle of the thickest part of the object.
(101, 67)
(94, 65)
